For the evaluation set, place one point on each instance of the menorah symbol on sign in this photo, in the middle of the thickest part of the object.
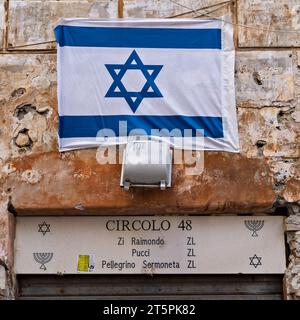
(254, 226)
(43, 258)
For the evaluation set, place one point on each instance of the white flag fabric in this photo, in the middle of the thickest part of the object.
(154, 77)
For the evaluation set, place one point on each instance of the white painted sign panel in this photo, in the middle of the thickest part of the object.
(150, 244)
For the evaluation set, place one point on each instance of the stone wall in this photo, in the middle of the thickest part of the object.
(263, 178)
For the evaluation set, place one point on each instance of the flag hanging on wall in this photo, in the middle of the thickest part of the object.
(156, 78)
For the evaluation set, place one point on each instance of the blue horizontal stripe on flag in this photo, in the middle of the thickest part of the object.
(88, 126)
(138, 37)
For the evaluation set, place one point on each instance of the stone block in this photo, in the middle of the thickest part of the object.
(28, 104)
(5, 232)
(268, 132)
(2, 278)
(263, 18)
(32, 21)
(264, 78)
(166, 9)
(292, 223)
(291, 192)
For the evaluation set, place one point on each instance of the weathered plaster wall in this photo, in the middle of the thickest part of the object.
(1, 23)
(272, 15)
(35, 178)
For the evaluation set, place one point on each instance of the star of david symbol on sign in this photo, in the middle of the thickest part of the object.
(255, 261)
(44, 228)
(133, 98)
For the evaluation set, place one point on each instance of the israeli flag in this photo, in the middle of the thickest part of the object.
(146, 77)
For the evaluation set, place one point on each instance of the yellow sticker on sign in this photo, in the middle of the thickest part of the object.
(86, 263)
(83, 263)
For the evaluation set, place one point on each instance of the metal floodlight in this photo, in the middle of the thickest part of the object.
(146, 164)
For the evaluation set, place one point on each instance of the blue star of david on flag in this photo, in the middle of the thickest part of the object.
(133, 98)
